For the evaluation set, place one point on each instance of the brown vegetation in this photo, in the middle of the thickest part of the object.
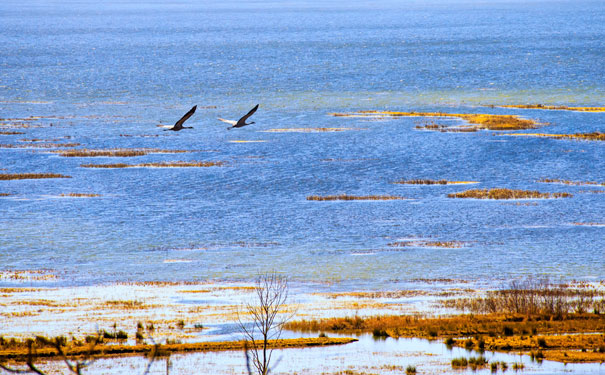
(30, 176)
(80, 195)
(568, 182)
(443, 244)
(18, 350)
(344, 197)
(552, 107)
(10, 132)
(477, 121)
(163, 164)
(119, 152)
(433, 182)
(594, 136)
(499, 193)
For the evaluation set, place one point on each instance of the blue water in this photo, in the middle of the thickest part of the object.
(98, 71)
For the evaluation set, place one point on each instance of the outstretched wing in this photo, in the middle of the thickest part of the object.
(230, 122)
(244, 118)
(179, 124)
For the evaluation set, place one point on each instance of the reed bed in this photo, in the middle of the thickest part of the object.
(594, 136)
(568, 182)
(40, 145)
(10, 132)
(499, 193)
(164, 164)
(344, 197)
(552, 107)
(119, 152)
(30, 176)
(433, 182)
(477, 121)
(5, 194)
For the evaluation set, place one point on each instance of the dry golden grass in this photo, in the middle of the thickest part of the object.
(553, 107)
(477, 121)
(19, 350)
(506, 194)
(5, 194)
(433, 182)
(457, 326)
(594, 136)
(80, 195)
(30, 176)
(164, 164)
(344, 197)
(568, 182)
(8, 132)
(119, 152)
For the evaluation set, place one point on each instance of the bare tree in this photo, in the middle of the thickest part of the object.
(267, 321)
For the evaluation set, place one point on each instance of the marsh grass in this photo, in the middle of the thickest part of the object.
(30, 176)
(5, 194)
(433, 182)
(164, 164)
(499, 193)
(118, 152)
(8, 132)
(476, 121)
(552, 107)
(344, 197)
(594, 136)
(568, 182)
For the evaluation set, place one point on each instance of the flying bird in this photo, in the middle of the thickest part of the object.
(179, 124)
(242, 121)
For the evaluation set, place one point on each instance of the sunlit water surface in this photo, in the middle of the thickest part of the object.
(104, 75)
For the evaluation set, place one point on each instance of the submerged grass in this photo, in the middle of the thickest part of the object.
(344, 197)
(499, 193)
(164, 164)
(477, 121)
(442, 244)
(80, 195)
(118, 152)
(30, 176)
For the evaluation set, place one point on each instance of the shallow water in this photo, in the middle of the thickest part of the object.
(121, 68)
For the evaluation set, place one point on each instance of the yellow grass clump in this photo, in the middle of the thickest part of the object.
(30, 176)
(594, 136)
(477, 121)
(164, 164)
(506, 194)
(344, 197)
(118, 152)
(553, 107)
